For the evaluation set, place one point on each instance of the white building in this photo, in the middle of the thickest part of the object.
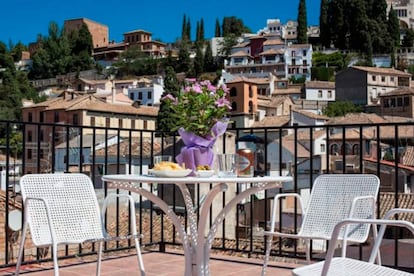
(320, 91)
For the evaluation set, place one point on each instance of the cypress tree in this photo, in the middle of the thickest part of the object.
(217, 32)
(393, 27)
(302, 29)
(171, 86)
(188, 30)
(184, 28)
(325, 36)
(201, 30)
(199, 60)
(208, 59)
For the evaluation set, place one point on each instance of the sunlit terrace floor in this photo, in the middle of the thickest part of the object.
(172, 263)
(160, 264)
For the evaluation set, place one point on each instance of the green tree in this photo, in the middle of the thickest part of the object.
(188, 30)
(341, 108)
(184, 28)
(325, 36)
(165, 121)
(227, 44)
(217, 30)
(393, 27)
(184, 60)
(209, 65)
(81, 48)
(233, 26)
(199, 60)
(408, 40)
(302, 29)
(201, 38)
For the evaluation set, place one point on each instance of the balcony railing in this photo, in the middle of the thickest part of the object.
(304, 151)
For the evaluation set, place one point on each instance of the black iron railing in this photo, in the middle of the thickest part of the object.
(386, 150)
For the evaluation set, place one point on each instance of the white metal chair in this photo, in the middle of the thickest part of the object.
(341, 266)
(334, 197)
(63, 209)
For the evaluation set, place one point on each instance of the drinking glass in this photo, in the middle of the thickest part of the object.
(162, 158)
(227, 165)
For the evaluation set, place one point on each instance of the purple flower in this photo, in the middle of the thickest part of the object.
(223, 102)
(197, 88)
(211, 88)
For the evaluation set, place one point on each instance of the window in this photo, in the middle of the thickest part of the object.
(334, 149)
(319, 94)
(131, 96)
(92, 121)
(30, 117)
(323, 148)
(293, 53)
(251, 107)
(132, 124)
(108, 122)
(399, 101)
(42, 116)
(304, 53)
(233, 92)
(329, 94)
(29, 136)
(139, 95)
(382, 78)
(250, 92)
(355, 149)
(233, 106)
(29, 154)
(392, 79)
(293, 61)
(41, 135)
(149, 95)
(145, 124)
(305, 62)
(386, 103)
(374, 78)
(406, 101)
(56, 117)
(392, 102)
(120, 123)
(75, 119)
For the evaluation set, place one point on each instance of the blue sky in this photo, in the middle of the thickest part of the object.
(23, 20)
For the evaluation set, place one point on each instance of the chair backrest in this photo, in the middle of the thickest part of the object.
(74, 209)
(331, 200)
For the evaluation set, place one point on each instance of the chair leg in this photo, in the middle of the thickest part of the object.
(139, 255)
(307, 249)
(98, 262)
(55, 259)
(21, 249)
(267, 253)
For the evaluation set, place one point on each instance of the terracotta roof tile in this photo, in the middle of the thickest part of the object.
(272, 121)
(240, 54)
(381, 70)
(275, 41)
(408, 156)
(304, 135)
(352, 133)
(312, 114)
(405, 200)
(320, 84)
(357, 118)
(399, 91)
(272, 52)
